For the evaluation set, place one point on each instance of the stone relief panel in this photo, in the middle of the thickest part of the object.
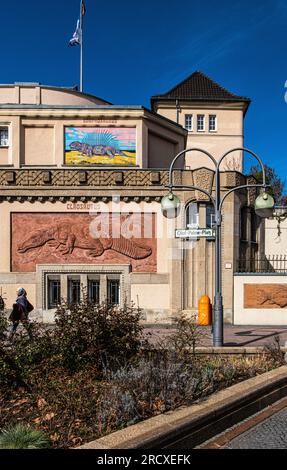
(253, 192)
(265, 296)
(203, 178)
(232, 178)
(83, 238)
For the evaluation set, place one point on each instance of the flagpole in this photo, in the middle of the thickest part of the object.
(81, 46)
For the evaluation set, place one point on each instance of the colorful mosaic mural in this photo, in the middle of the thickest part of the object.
(100, 146)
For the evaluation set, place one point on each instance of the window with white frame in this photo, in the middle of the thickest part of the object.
(4, 137)
(200, 123)
(188, 122)
(212, 123)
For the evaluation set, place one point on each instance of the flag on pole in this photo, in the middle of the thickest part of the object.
(76, 39)
(77, 36)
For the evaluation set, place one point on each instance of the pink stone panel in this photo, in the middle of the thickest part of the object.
(40, 238)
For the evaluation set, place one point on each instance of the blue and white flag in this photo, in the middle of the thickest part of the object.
(76, 39)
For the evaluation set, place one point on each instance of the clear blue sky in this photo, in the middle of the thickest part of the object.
(137, 49)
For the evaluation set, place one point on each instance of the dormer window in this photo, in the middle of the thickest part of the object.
(4, 137)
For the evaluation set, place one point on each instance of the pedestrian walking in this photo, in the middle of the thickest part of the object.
(21, 309)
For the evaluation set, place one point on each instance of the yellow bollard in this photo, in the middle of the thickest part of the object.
(204, 311)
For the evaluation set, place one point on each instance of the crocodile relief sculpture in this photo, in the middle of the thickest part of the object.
(65, 237)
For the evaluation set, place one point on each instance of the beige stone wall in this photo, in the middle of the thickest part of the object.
(49, 139)
(198, 267)
(160, 151)
(11, 155)
(229, 120)
(199, 263)
(34, 142)
(9, 94)
(29, 95)
(151, 296)
(185, 270)
(229, 133)
(275, 245)
(257, 316)
(64, 97)
(39, 146)
(150, 292)
(216, 146)
(36, 95)
(4, 156)
(36, 133)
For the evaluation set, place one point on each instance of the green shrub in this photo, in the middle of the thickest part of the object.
(21, 436)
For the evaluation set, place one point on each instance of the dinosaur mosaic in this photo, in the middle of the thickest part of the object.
(90, 150)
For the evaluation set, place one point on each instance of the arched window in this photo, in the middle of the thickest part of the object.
(192, 215)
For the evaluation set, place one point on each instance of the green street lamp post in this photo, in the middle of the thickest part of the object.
(264, 206)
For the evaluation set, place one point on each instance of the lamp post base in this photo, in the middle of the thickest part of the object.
(217, 328)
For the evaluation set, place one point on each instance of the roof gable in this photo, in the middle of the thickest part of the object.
(199, 87)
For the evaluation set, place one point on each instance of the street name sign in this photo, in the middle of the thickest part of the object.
(195, 233)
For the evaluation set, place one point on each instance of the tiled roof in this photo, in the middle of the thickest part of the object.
(199, 87)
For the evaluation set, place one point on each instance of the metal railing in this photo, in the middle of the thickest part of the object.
(263, 264)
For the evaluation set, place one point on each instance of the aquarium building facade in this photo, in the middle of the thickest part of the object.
(81, 183)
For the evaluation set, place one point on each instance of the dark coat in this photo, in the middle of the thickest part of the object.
(18, 313)
(21, 309)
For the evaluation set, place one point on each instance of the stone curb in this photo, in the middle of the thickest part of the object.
(233, 350)
(192, 425)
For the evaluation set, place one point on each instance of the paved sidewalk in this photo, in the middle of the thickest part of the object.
(233, 335)
(270, 434)
(263, 430)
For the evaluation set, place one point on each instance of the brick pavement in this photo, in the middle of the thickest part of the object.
(258, 431)
(270, 434)
(233, 335)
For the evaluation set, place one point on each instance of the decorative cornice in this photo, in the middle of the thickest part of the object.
(77, 198)
(82, 177)
(95, 185)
